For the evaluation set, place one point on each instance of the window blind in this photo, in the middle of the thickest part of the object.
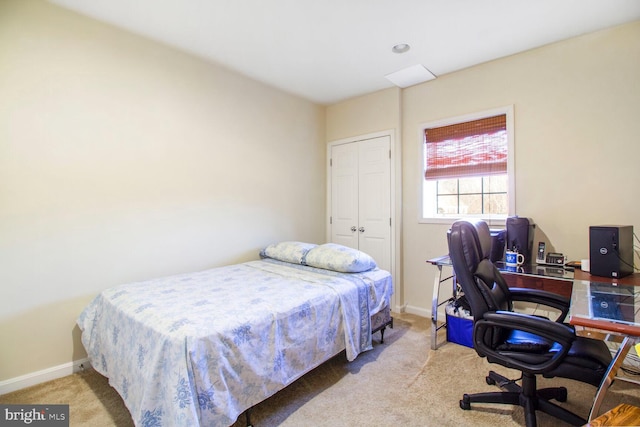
(473, 148)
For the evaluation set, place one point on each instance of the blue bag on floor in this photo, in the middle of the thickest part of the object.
(459, 325)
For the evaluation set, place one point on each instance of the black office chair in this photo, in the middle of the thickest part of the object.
(531, 344)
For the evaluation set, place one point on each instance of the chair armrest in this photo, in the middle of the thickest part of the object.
(559, 333)
(546, 298)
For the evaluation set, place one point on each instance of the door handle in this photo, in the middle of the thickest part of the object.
(361, 229)
(353, 228)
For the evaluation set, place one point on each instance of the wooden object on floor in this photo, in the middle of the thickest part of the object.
(621, 415)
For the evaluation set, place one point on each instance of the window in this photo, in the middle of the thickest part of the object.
(467, 166)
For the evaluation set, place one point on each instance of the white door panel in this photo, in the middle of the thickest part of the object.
(375, 200)
(344, 195)
(361, 197)
(378, 249)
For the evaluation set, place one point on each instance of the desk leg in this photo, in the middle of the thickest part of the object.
(434, 309)
(436, 303)
(610, 375)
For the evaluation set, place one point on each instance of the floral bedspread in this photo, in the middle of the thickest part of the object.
(200, 348)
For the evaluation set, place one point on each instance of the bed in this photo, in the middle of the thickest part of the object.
(202, 348)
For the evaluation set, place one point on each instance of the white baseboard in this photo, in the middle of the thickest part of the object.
(418, 311)
(44, 375)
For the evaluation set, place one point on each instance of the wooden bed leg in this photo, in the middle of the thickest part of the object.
(247, 414)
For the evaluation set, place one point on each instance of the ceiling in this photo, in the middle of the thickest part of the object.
(330, 50)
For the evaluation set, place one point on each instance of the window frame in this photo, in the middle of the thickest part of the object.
(511, 189)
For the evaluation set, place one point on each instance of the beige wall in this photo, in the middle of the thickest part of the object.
(576, 107)
(122, 160)
(378, 111)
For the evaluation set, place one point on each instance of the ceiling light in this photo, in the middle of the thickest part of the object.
(400, 48)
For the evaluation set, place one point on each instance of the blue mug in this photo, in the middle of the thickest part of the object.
(513, 259)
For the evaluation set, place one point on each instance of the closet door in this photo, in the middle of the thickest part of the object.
(344, 194)
(361, 197)
(374, 200)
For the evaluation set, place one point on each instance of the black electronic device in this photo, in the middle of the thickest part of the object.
(497, 244)
(554, 258)
(611, 250)
(520, 232)
(540, 259)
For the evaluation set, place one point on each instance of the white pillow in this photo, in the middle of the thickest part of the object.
(332, 256)
(293, 252)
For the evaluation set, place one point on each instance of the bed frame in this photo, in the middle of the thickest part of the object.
(380, 321)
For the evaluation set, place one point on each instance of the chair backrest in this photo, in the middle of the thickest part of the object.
(483, 285)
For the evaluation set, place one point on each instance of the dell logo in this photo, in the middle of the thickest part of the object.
(603, 251)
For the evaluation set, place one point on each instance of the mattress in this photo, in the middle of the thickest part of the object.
(200, 348)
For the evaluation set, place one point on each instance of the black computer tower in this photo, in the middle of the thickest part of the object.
(611, 250)
(520, 233)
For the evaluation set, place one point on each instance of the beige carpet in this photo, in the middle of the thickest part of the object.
(399, 383)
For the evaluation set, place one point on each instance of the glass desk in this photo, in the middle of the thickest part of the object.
(613, 308)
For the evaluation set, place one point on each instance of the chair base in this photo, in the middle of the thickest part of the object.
(527, 396)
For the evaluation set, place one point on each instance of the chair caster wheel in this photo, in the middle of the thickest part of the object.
(562, 395)
(490, 381)
(465, 403)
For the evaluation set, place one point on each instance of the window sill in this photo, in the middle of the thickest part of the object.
(492, 222)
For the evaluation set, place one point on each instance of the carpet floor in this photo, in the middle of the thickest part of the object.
(400, 383)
